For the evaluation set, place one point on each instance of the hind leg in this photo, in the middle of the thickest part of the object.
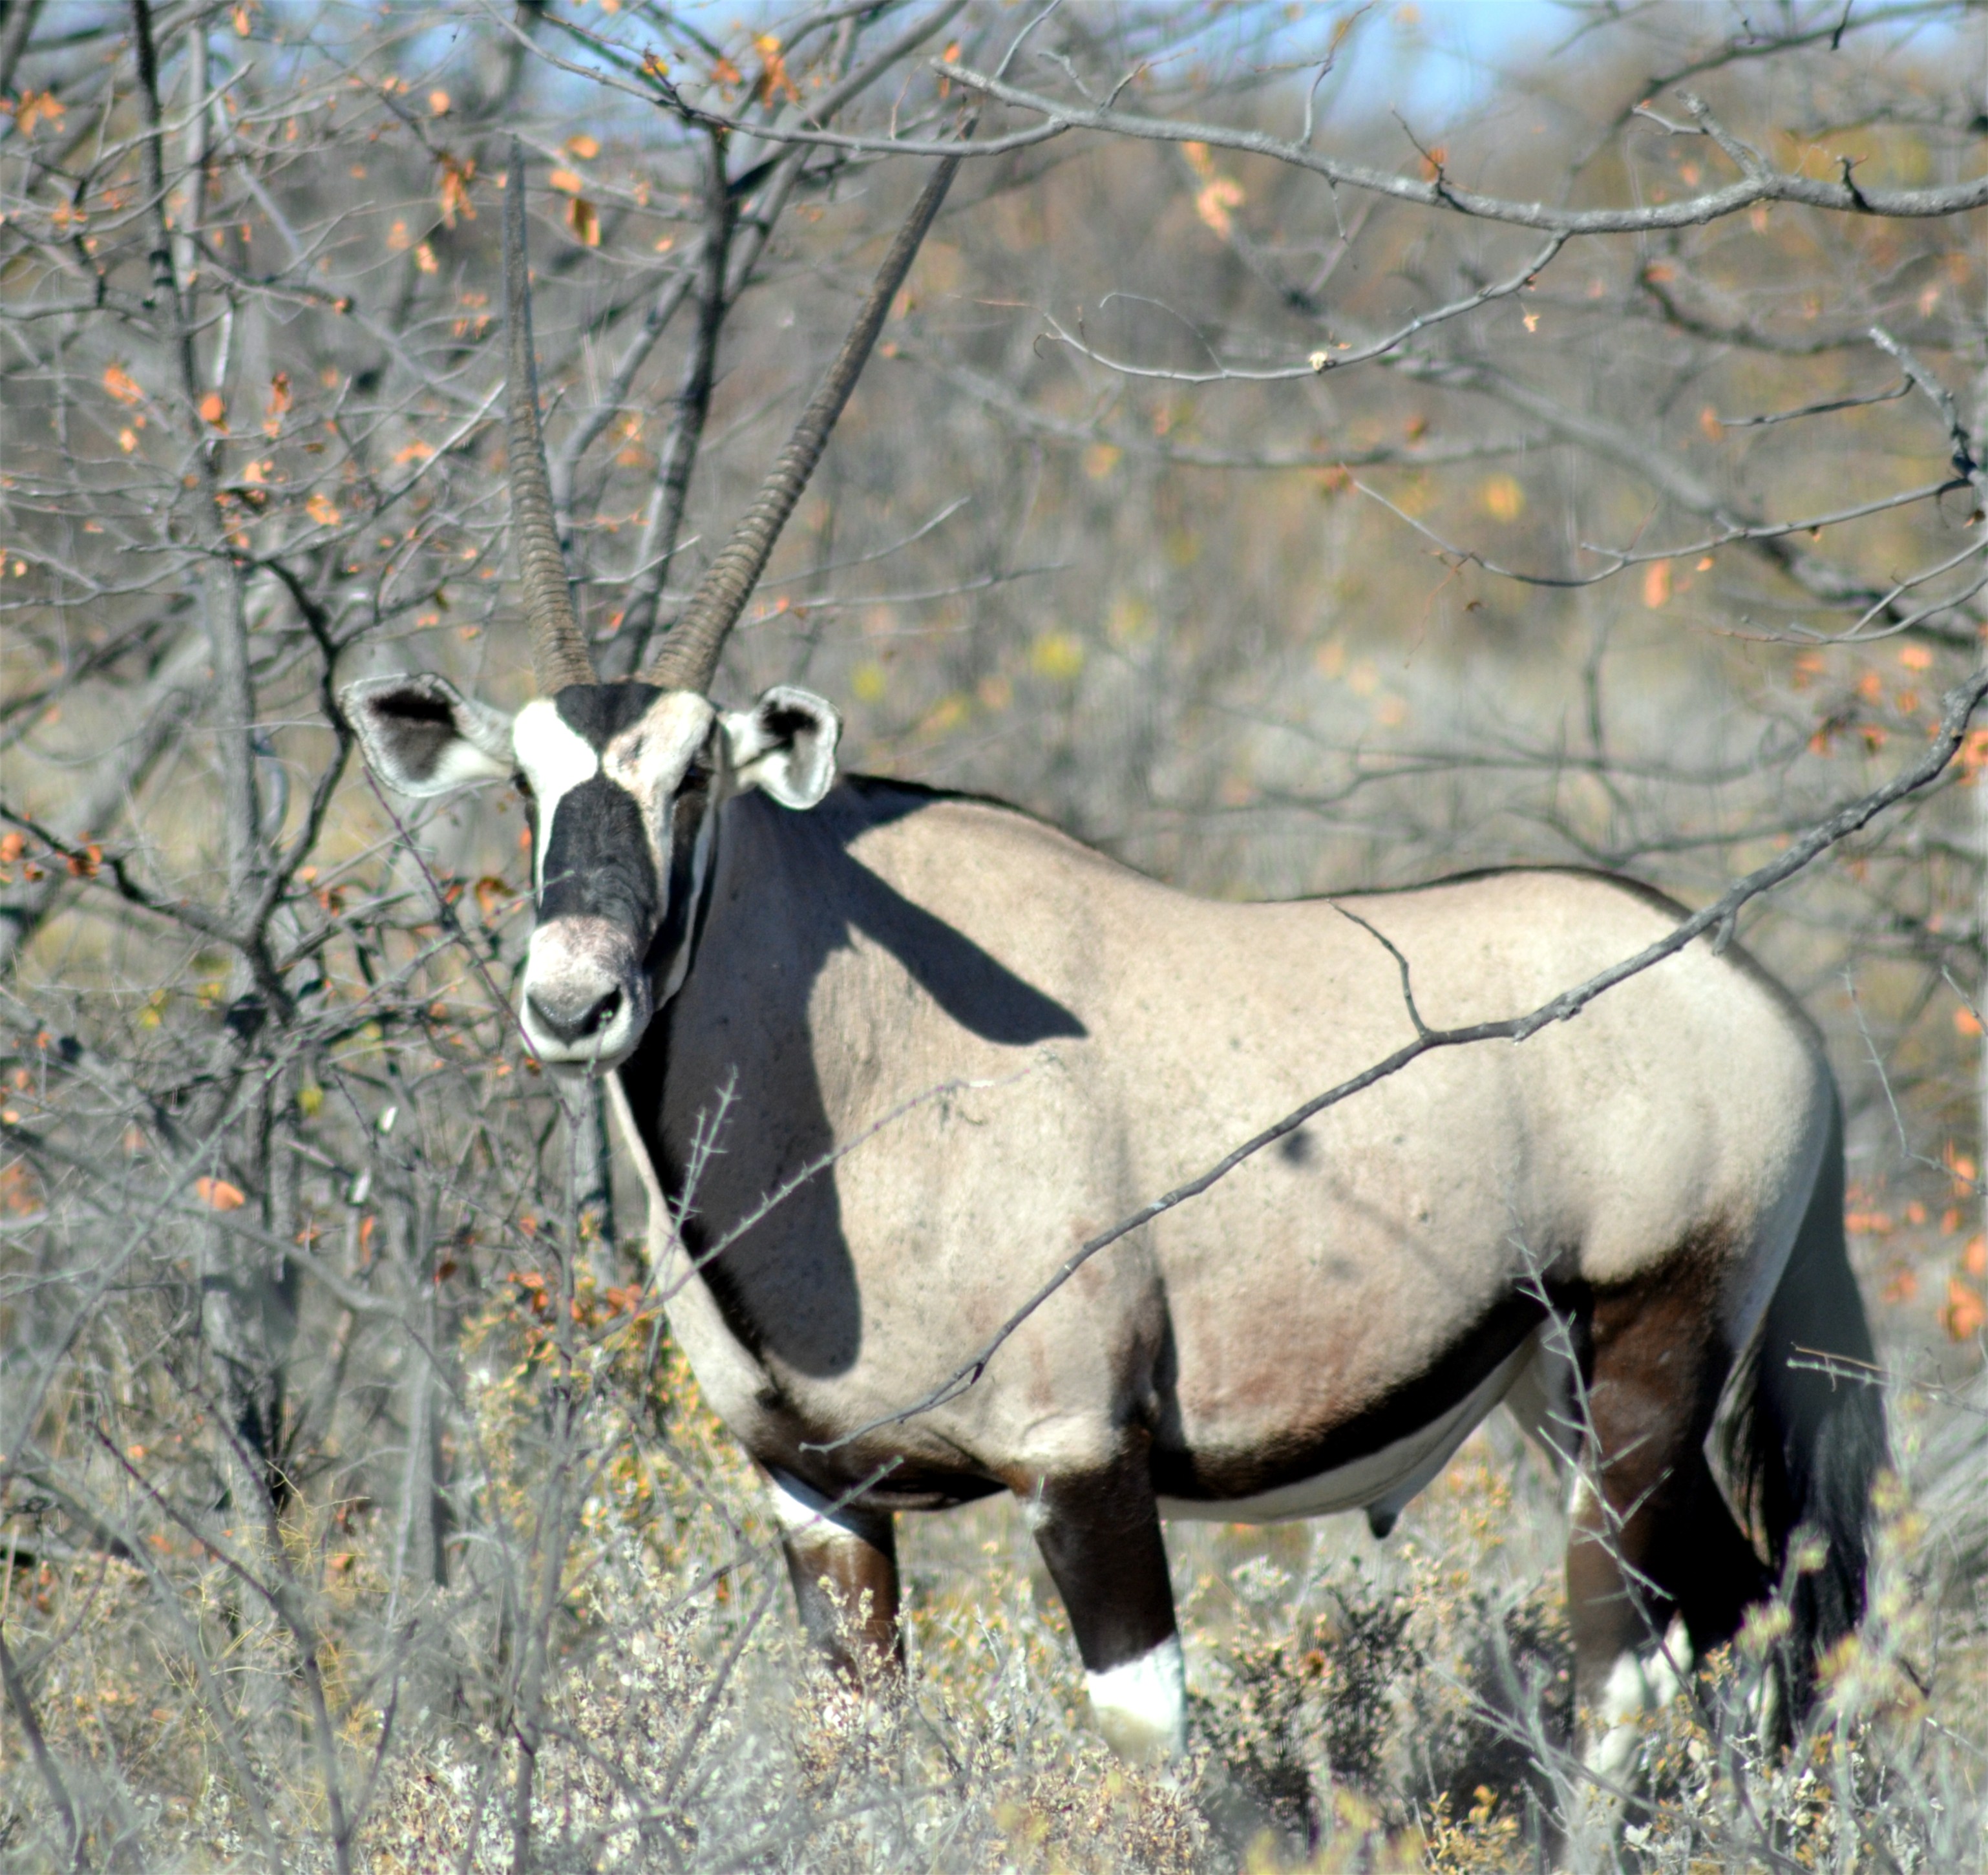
(1098, 1534)
(1657, 1570)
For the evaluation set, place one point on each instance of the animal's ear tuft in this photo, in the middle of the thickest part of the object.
(421, 736)
(785, 744)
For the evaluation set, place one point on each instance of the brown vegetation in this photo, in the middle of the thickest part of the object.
(345, 1459)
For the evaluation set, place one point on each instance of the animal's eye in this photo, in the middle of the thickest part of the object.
(523, 786)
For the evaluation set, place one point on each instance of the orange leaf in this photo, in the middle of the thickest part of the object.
(279, 402)
(456, 178)
(1974, 1258)
(584, 219)
(219, 1194)
(1656, 583)
(773, 77)
(583, 148)
(1965, 1022)
(32, 107)
(566, 181)
(121, 384)
(322, 510)
(1214, 203)
(214, 409)
(1964, 1315)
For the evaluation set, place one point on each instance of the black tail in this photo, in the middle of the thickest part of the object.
(1806, 1436)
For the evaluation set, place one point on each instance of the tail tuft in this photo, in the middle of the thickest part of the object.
(1806, 1437)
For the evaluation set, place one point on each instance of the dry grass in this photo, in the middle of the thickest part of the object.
(1355, 1706)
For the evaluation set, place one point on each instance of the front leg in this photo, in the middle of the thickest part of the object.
(1099, 1533)
(844, 1565)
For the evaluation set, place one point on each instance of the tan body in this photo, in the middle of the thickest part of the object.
(1589, 1225)
(1124, 1036)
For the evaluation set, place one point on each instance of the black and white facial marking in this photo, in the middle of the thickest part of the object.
(622, 779)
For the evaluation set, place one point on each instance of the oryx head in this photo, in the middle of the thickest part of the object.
(623, 779)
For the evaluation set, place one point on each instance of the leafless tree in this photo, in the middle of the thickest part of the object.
(1281, 493)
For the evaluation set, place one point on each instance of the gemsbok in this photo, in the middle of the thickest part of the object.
(1596, 1228)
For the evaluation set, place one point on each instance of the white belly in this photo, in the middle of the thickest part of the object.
(1384, 1480)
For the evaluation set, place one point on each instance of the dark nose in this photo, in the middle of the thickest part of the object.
(568, 1024)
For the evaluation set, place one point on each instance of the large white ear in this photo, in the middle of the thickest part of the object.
(422, 736)
(785, 744)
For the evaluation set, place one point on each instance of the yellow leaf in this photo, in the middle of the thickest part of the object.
(1503, 500)
(867, 682)
(1099, 459)
(1057, 655)
(219, 1194)
(322, 510)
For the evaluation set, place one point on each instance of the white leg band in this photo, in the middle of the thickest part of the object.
(1639, 1684)
(1141, 1706)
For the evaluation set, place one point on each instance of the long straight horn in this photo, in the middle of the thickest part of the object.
(559, 650)
(688, 658)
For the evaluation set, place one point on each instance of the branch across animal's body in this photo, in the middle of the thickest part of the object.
(1593, 1228)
